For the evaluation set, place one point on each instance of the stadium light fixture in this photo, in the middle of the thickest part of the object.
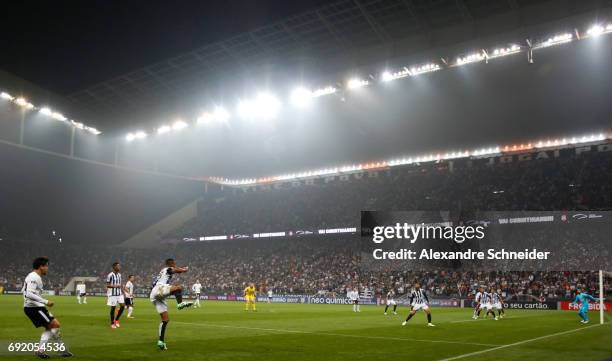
(389, 76)
(357, 83)
(137, 135)
(46, 111)
(324, 91)
(264, 106)
(163, 129)
(60, 117)
(556, 40)
(500, 52)
(22, 102)
(595, 30)
(471, 58)
(179, 124)
(423, 69)
(219, 115)
(301, 97)
(6, 96)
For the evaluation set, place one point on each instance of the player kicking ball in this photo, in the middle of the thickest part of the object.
(162, 290)
(583, 298)
(419, 301)
(35, 307)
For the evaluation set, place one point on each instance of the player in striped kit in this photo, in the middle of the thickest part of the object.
(487, 303)
(114, 294)
(391, 301)
(162, 290)
(419, 301)
(497, 303)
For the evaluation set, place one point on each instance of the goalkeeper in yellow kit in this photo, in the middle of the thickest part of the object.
(250, 296)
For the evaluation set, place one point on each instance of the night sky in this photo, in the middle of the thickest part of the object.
(46, 41)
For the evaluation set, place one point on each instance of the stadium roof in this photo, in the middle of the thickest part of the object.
(325, 37)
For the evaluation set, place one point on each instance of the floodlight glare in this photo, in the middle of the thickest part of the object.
(264, 106)
(472, 58)
(357, 83)
(324, 91)
(46, 111)
(140, 135)
(301, 97)
(129, 137)
(595, 30)
(178, 125)
(6, 96)
(163, 129)
(58, 116)
(24, 103)
(387, 76)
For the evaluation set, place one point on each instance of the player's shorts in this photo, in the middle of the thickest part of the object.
(420, 306)
(83, 294)
(391, 303)
(39, 316)
(114, 300)
(129, 301)
(498, 306)
(488, 306)
(250, 298)
(158, 297)
(197, 296)
(356, 302)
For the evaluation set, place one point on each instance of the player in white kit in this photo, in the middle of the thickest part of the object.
(478, 303)
(129, 296)
(353, 295)
(197, 290)
(270, 295)
(391, 302)
(497, 303)
(487, 304)
(81, 292)
(35, 307)
(162, 290)
(419, 301)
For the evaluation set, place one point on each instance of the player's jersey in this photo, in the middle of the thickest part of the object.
(114, 279)
(478, 298)
(196, 288)
(129, 287)
(163, 278)
(352, 295)
(32, 291)
(249, 291)
(584, 298)
(486, 298)
(80, 288)
(418, 297)
(495, 297)
(270, 293)
(390, 295)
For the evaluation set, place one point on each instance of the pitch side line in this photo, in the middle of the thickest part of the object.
(517, 343)
(336, 334)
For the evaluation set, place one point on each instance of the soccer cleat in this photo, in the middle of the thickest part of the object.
(66, 354)
(42, 355)
(117, 324)
(385, 313)
(404, 323)
(431, 325)
(496, 318)
(130, 317)
(395, 313)
(182, 305)
(113, 326)
(162, 345)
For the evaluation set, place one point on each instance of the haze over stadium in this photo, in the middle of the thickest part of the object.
(248, 150)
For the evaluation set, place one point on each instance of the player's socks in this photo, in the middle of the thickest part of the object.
(79, 299)
(130, 310)
(162, 331)
(429, 318)
(386, 308)
(85, 300)
(121, 308)
(409, 317)
(112, 315)
(254, 307)
(394, 309)
(44, 338)
(179, 296)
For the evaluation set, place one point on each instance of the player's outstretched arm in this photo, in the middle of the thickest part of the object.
(179, 269)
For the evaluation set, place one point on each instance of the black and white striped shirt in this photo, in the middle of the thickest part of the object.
(486, 298)
(418, 296)
(114, 279)
(495, 297)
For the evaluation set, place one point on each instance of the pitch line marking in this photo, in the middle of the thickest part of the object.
(336, 334)
(517, 343)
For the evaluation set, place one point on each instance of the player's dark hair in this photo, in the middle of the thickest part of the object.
(130, 276)
(169, 261)
(39, 262)
(115, 263)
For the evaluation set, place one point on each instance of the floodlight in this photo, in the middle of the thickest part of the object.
(422, 69)
(595, 30)
(357, 83)
(264, 106)
(324, 91)
(46, 111)
(129, 137)
(163, 129)
(301, 97)
(178, 125)
(24, 103)
(140, 135)
(6, 96)
(471, 58)
(58, 116)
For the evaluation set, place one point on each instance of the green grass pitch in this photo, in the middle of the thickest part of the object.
(223, 331)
